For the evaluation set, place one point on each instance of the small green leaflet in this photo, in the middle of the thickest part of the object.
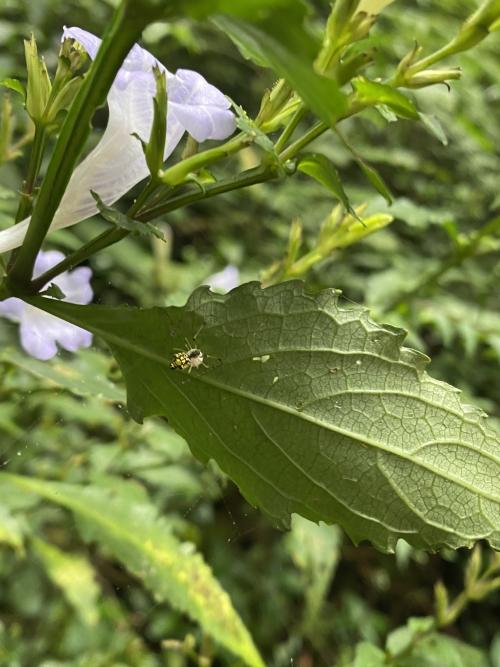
(372, 93)
(432, 123)
(15, 85)
(370, 172)
(324, 171)
(246, 125)
(54, 291)
(312, 408)
(124, 222)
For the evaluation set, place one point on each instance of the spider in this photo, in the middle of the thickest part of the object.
(191, 357)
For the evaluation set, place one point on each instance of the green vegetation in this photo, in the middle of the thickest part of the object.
(248, 511)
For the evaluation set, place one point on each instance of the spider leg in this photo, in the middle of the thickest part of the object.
(196, 334)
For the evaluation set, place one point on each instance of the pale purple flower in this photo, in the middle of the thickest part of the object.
(40, 332)
(117, 163)
(225, 280)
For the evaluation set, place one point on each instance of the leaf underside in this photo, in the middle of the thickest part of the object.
(312, 408)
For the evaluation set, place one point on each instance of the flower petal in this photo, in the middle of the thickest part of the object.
(226, 280)
(45, 260)
(200, 107)
(12, 309)
(76, 285)
(37, 334)
(117, 163)
(39, 331)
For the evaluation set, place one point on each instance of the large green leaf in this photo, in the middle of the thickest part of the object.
(129, 528)
(248, 9)
(312, 408)
(281, 43)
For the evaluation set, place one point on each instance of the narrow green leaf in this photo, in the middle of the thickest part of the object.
(282, 44)
(312, 408)
(432, 123)
(371, 93)
(375, 179)
(154, 150)
(15, 85)
(324, 171)
(124, 222)
(74, 575)
(247, 9)
(143, 542)
(370, 172)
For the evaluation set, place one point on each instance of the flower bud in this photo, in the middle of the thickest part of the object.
(441, 603)
(485, 20)
(272, 105)
(39, 85)
(429, 77)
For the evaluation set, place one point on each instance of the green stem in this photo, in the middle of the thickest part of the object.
(111, 236)
(315, 131)
(26, 197)
(247, 178)
(289, 129)
(124, 30)
(35, 162)
(177, 174)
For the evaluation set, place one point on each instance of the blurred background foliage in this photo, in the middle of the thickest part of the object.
(307, 596)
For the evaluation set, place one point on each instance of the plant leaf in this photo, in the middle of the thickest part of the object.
(282, 44)
(248, 126)
(432, 123)
(124, 222)
(248, 9)
(370, 172)
(312, 408)
(371, 93)
(130, 529)
(74, 575)
(324, 171)
(15, 85)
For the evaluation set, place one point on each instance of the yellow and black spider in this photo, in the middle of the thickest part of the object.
(191, 357)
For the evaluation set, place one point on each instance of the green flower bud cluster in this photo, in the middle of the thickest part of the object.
(46, 100)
